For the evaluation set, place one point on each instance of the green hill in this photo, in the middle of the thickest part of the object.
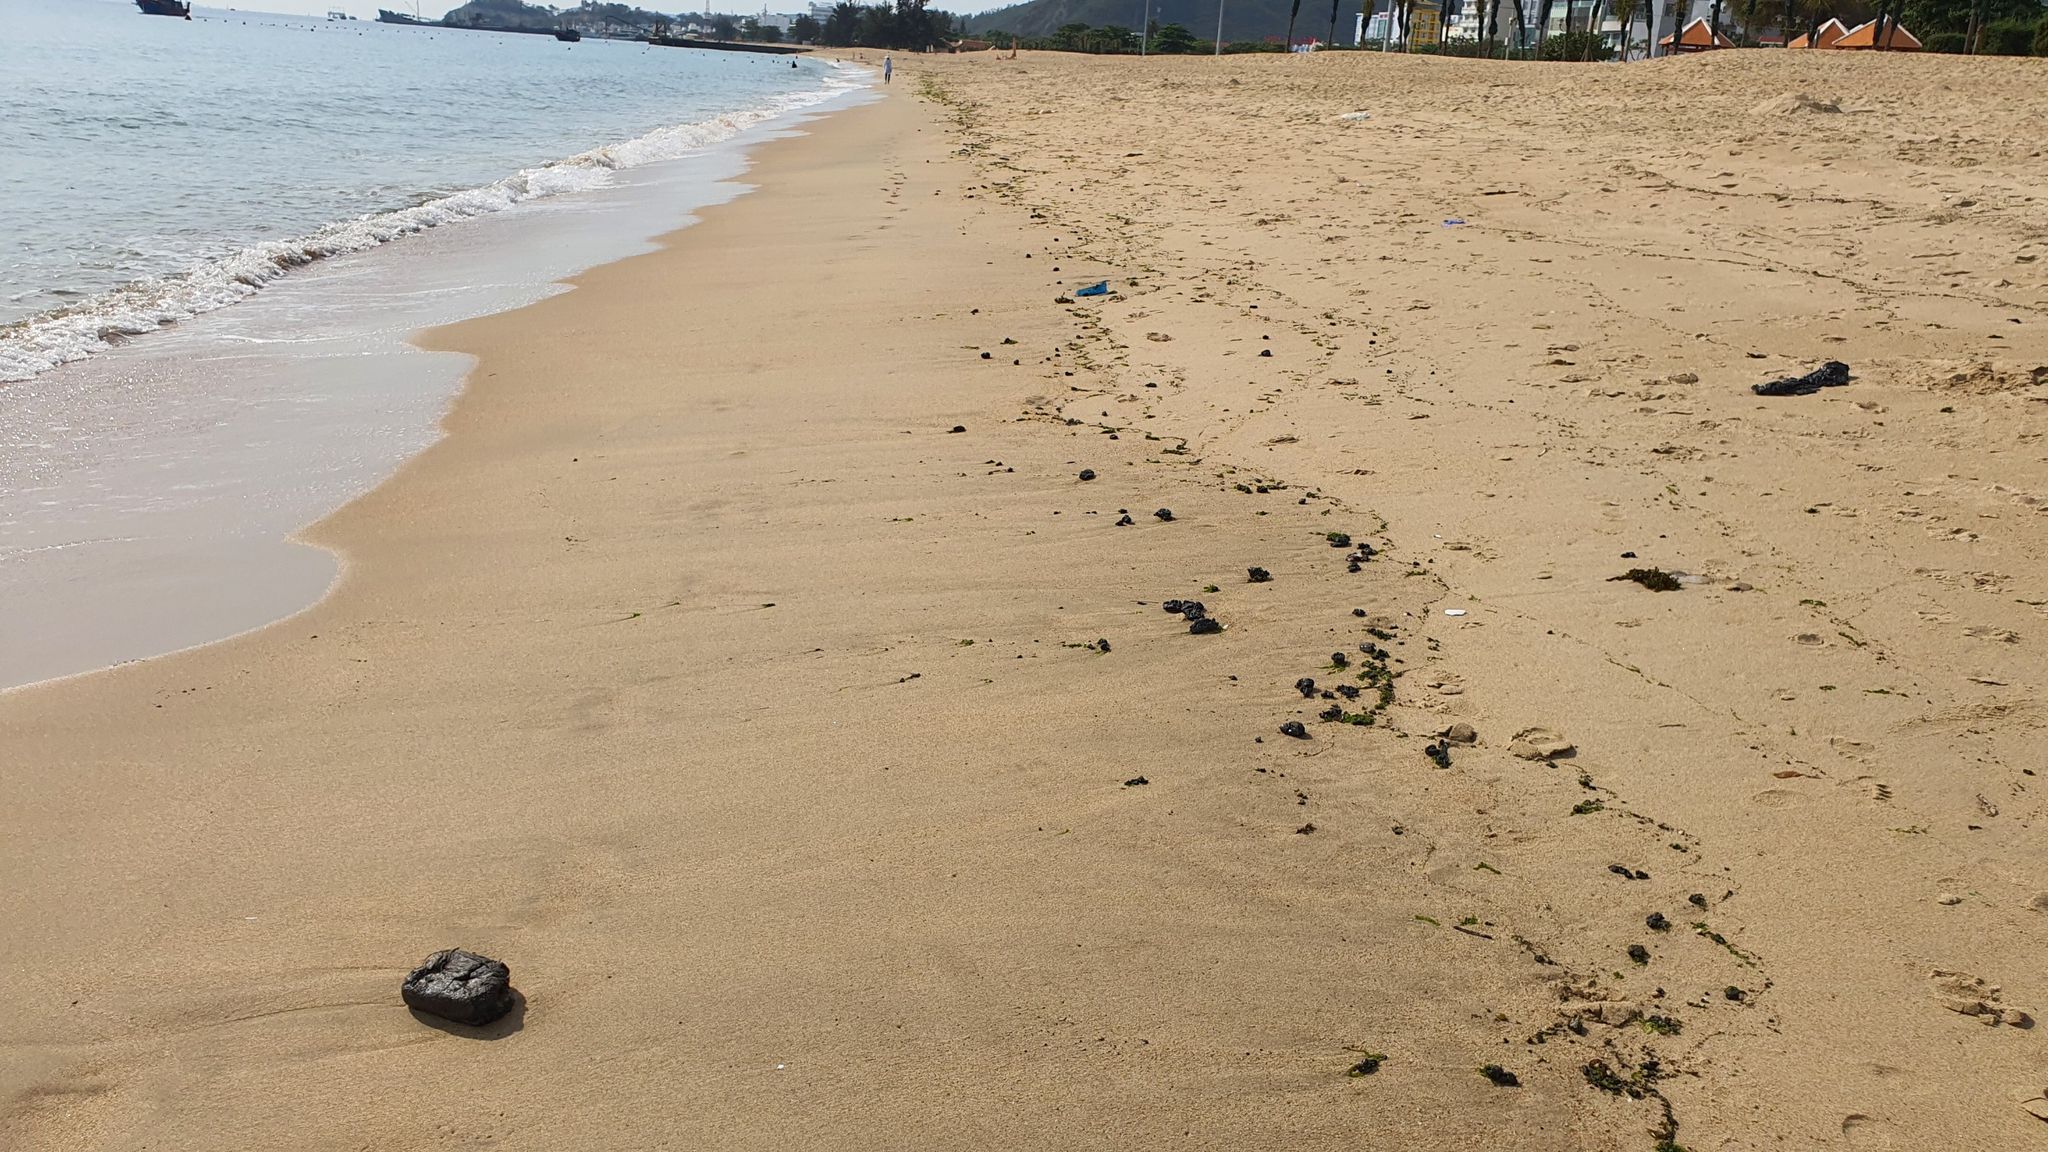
(499, 14)
(589, 16)
(1242, 19)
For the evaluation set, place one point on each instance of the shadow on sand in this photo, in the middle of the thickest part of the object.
(497, 1029)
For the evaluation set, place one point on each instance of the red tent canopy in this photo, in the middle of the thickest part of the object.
(1697, 37)
(1829, 35)
(1896, 39)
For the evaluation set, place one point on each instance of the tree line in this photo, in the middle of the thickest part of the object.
(1987, 27)
(906, 25)
(903, 25)
(1991, 27)
(1116, 40)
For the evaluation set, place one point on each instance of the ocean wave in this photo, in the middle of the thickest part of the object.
(43, 341)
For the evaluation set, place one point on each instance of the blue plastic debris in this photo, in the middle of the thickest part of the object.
(1453, 222)
(1101, 289)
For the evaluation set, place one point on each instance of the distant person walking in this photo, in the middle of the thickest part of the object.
(888, 68)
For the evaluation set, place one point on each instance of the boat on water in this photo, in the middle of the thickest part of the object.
(387, 16)
(165, 8)
(568, 35)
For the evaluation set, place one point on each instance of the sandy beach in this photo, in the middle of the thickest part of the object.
(769, 664)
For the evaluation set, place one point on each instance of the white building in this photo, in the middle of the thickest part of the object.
(1461, 21)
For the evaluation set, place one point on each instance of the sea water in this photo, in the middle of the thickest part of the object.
(215, 236)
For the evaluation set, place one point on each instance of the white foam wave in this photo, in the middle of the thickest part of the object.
(43, 341)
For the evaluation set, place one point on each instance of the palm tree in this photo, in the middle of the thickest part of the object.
(1625, 11)
(842, 24)
(1290, 24)
(1747, 11)
(1592, 26)
(1896, 10)
(1334, 5)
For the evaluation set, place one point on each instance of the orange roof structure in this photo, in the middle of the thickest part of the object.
(1697, 37)
(1896, 39)
(1829, 33)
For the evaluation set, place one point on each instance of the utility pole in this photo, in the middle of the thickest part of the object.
(1145, 28)
(1219, 27)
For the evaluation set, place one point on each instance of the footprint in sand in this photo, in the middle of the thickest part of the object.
(1969, 995)
(1861, 1131)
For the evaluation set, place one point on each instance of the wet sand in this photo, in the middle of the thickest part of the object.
(761, 722)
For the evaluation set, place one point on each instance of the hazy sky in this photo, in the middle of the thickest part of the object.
(432, 9)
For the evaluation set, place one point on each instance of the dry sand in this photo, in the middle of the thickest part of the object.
(705, 677)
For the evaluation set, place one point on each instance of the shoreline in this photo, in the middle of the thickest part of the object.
(235, 264)
(762, 666)
(180, 597)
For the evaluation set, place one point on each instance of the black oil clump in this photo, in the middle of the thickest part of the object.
(1367, 1066)
(1655, 579)
(1832, 374)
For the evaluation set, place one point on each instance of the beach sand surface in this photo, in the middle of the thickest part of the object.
(761, 721)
